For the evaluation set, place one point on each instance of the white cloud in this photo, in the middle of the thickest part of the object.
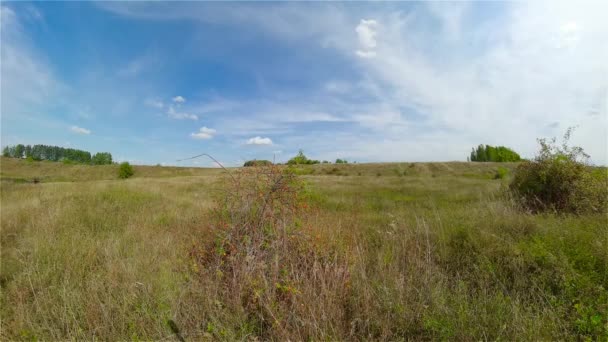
(173, 114)
(179, 99)
(569, 35)
(204, 133)
(505, 91)
(259, 141)
(366, 54)
(80, 130)
(366, 32)
(501, 79)
(28, 83)
(570, 26)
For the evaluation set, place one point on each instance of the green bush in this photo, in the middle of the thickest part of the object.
(501, 173)
(257, 163)
(125, 170)
(560, 179)
(301, 159)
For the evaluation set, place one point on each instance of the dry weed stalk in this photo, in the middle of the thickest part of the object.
(265, 260)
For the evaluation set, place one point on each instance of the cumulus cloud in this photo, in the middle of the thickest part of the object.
(204, 133)
(259, 141)
(179, 99)
(80, 130)
(366, 32)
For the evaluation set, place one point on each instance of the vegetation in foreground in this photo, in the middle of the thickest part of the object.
(386, 252)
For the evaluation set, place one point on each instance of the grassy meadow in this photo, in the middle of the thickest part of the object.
(396, 251)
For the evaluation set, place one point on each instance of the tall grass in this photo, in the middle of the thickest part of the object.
(267, 255)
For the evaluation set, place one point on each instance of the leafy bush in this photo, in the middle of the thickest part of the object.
(125, 170)
(560, 179)
(301, 159)
(501, 173)
(257, 163)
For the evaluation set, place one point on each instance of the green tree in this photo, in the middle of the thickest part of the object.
(494, 154)
(101, 158)
(19, 151)
(257, 163)
(300, 158)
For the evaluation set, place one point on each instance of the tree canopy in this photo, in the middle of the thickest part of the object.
(488, 153)
(301, 159)
(256, 162)
(56, 153)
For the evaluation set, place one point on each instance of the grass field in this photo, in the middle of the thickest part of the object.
(402, 251)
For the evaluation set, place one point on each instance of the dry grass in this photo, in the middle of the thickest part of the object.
(437, 253)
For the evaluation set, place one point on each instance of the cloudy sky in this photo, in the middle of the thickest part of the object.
(407, 81)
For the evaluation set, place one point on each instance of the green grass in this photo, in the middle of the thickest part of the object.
(433, 251)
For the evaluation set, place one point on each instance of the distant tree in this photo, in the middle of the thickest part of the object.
(490, 153)
(301, 159)
(19, 151)
(257, 163)
(101, 158)
(341, 161)
(55, 153)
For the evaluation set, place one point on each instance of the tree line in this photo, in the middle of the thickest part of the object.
(488, 153)
(56, 153)
(299, 159)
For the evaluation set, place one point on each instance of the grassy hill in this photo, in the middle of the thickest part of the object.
(394, 251)
(21, 170)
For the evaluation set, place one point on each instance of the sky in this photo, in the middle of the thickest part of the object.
(154, 82)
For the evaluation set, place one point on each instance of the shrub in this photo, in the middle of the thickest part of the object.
(125, 170)
(257, 163)
(560, 179)
(301, 159)
(501, 173)
(263, 264)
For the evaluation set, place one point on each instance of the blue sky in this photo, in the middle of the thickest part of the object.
(155, 82)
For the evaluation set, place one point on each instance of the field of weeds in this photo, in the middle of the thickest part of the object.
(403, 251)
